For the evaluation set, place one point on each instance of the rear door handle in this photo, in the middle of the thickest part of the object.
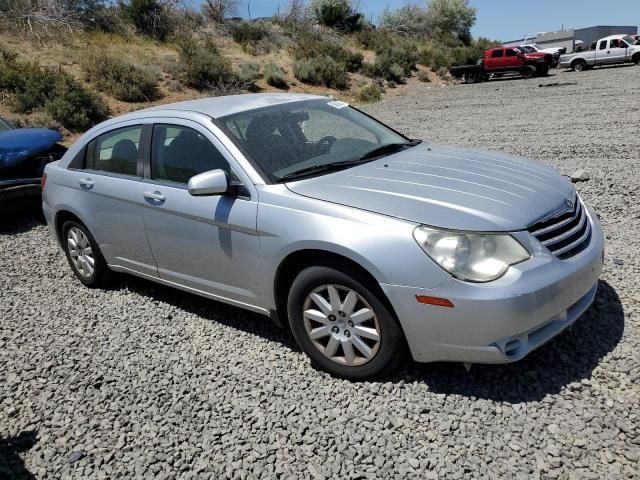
(155, 196)
(86, 183)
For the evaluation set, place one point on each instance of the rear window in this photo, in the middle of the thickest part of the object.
(115, 151)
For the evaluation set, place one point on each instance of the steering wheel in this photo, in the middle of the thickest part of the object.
(325, 143)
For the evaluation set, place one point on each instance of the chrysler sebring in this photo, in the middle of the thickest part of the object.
(368, 244)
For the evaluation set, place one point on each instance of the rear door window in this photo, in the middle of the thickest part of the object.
(603, 45)
(497, 54)
(115, 151)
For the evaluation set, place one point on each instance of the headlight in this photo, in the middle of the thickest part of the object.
(474, 257)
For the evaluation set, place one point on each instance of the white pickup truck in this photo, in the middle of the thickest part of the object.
(608, 51)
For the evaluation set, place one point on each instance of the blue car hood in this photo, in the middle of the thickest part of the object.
(16, 145)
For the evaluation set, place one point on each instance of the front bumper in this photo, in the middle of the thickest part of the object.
(504, 320)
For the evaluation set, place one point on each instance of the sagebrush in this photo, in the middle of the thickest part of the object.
(122, 80)
(33, 88)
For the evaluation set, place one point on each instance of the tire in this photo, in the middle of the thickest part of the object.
(345, 343)
(579, 66)
(543, 70)
(471, 77)
(636, 59)
(84, 256)
(528, 71)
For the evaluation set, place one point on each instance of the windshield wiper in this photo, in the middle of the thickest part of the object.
(323, 167)
(334, 166)
(388, 148)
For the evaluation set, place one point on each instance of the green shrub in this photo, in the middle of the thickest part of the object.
(443, 72)
(369, 94)
(354, 61)
(73, 106)
(304, 70)
(436, 58)
(124, 81)
(390, 66)
(423, 76)
(247, 32)
(395, 58)
(60, 96)
(150, 17)
(374, 39)
(310, 45)
(249, 72)
(338, 14)
(202, 66)
(322, 70)
(274, 76)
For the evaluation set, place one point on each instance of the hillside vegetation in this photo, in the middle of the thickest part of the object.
(68, 64)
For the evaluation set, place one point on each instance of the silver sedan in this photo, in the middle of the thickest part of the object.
(366, 243)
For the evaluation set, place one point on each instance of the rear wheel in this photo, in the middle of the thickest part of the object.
(471, 77)
(342, 325)
(579, 66)
(528, 71)
(84, 255)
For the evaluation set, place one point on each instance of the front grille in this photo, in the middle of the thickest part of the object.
(566, 234)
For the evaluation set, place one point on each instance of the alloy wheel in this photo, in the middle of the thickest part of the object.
(341, 325)
(80, 252)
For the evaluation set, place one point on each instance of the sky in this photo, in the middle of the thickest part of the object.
(501, 19)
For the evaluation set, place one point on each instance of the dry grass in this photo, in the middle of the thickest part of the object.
(161, 59)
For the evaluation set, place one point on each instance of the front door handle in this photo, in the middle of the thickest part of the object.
(155, 196)
(86, 183)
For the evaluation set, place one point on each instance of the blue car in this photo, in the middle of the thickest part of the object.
(24, 152)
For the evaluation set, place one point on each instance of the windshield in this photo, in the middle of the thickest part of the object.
(629, 39)
(4, 126)
(291, 137)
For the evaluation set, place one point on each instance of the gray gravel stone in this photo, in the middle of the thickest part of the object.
(580, 175)
(155, 383)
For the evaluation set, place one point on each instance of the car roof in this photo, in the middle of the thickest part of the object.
(618, 35)
(217, 107)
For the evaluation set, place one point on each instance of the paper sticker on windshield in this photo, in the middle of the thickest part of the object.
(338, 104)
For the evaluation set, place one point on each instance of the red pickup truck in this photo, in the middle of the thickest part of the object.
(505, 60)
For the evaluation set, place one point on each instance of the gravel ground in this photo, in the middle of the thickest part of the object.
(144, 381)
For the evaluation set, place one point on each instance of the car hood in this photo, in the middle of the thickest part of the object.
(16, 145)
(447, 187)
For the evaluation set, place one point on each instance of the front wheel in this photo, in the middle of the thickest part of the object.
(528, 71)
(84, 255)
(342, 324)
(636, 59)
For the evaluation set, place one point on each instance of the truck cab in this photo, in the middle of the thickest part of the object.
(610, 50)
(513, 58)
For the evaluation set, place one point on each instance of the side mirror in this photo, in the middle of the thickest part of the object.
(213, 182)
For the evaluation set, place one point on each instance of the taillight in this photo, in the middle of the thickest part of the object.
(43, 181)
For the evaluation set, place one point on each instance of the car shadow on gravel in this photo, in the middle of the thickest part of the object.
(11, 465)
(218, 312)
(568, 358)
(20, 217)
